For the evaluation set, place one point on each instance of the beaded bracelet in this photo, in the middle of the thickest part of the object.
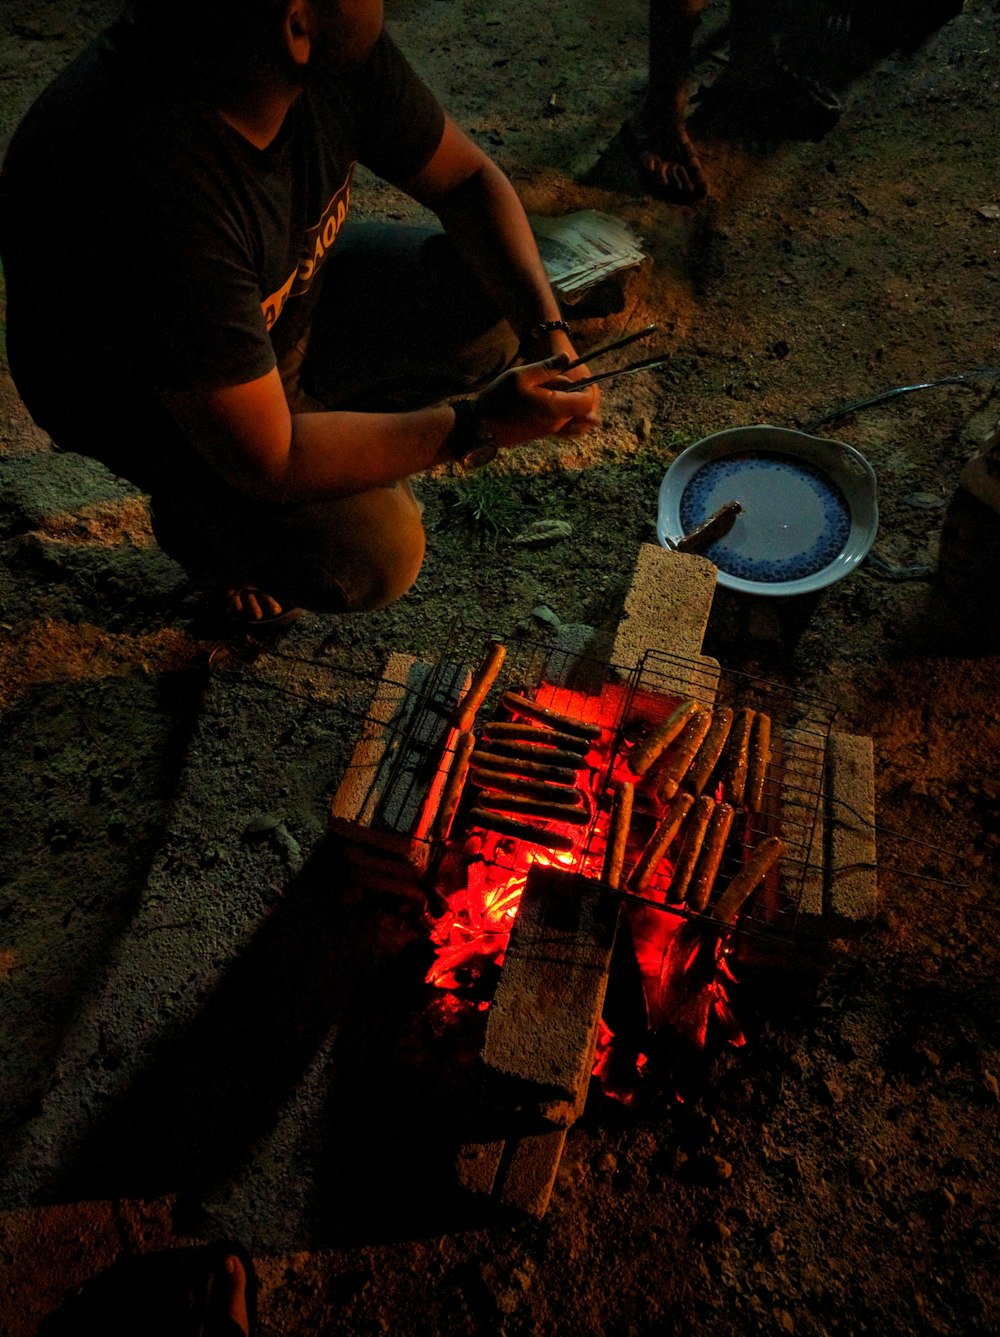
(546, 327)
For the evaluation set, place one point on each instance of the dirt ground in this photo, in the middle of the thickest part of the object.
(179, 1060)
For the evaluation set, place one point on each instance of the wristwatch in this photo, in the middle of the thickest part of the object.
(470, 441)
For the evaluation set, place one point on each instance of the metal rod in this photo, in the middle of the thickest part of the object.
(611, 347)
(647, 364)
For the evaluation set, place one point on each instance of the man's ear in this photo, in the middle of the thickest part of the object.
(298, 30)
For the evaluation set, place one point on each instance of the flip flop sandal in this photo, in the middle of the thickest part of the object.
(264, 625)
(173, 1293)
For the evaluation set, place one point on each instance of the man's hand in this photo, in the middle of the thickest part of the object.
(533, 401)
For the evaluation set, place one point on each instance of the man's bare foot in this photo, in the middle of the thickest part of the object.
(668, 162)
(236, 1302)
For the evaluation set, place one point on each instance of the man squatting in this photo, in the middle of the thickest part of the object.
(187, 303)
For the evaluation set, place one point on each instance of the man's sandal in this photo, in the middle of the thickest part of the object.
(253, 611)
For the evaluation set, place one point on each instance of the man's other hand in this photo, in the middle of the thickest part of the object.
(533, 401)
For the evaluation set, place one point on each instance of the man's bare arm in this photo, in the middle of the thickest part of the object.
(248, 435)
(484, 217)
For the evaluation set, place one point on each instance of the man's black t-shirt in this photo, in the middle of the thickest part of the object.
(148, 246)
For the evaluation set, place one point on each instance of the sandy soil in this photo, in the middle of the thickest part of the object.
(177, 1032)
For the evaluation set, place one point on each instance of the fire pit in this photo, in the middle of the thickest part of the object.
(542, 808)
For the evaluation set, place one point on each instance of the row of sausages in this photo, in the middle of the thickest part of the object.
(523, 768)
(695, 743)
(700, 827)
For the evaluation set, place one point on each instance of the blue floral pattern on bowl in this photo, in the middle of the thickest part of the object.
(795, 519)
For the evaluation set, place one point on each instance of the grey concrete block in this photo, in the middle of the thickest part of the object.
(667, 606)
(542, 1026)
(853, 879)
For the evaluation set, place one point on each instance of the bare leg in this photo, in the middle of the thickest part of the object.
(666, 156)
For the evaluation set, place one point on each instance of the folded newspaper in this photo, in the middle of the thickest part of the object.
(580, 249)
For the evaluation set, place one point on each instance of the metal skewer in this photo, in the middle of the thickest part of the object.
(611, 347)
(657, 360)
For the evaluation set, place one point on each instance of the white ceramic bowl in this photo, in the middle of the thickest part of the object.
(810, 507)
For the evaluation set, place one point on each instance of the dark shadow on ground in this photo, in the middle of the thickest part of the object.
(104, 758)
(328, 973)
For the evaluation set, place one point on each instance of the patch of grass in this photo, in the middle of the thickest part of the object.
(488, 502)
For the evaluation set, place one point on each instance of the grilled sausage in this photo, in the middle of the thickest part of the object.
(737, 756)
(621, 820)
(661, 737)
(757, 867)
(550, 756)
(452, 791)
(522, 705)
(533, 769)
(465, 712)
(575, 814)
(707, 867)
(760, 757)
(691, 738)
(710, 751)
(507, 826)
(507, 782)
(694, 835)
(658, 842)
(504, 731)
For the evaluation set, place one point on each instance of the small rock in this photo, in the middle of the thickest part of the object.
(945, 1199)
(991, 211)
(834, 1090)
(926, 501)
(776, 1241)
(784, 1320)
(992, 1085)
(261, 825)
(543, 613)
(720, 1167)
(607, 1163)
(644, 429)
(544, 531)
(865, 1168)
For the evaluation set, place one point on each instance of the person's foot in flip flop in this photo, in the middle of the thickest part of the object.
(667, 161)
(255, 611)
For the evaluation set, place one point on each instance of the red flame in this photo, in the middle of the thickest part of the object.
(682, 960)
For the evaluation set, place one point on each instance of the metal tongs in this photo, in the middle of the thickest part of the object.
(644, 365)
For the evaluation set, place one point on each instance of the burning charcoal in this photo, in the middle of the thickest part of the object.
(707, 867)
(710, 751)
(508, 782)
(737, 757)
(551, 756)
(621, 820)
(532, 769)
(658, 843)
(661, 737)
(694, 835)
(493, 821)
(452, 791)
(522, 705)
(575, 814)
(760, 863)
(760, 757)
(465, 711)
(668, 781)
(501, 731)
